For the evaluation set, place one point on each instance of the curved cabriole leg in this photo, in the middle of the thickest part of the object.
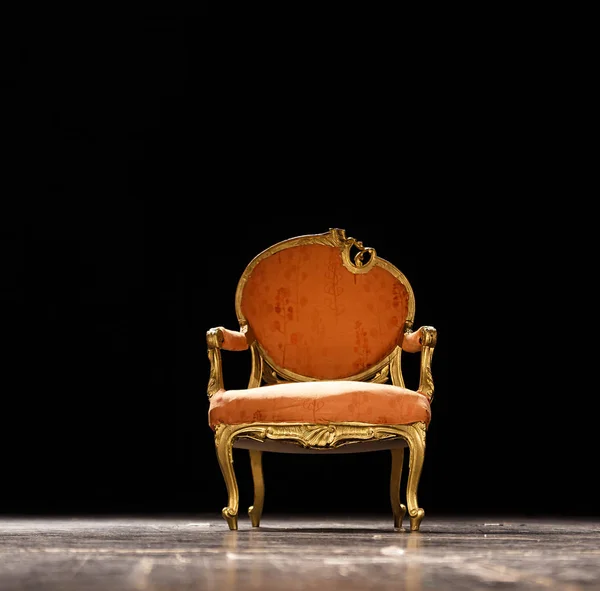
(224, 446)
(416, 444)
(398, 508)
(255, 511)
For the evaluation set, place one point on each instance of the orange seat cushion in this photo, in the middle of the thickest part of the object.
(320, 402)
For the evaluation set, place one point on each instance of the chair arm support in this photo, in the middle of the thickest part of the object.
(428, 342)
(222, 338)
(424, 340)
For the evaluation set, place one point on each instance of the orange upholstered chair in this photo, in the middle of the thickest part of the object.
(326, 321)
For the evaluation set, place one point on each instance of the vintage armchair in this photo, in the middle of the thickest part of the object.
(326, 320)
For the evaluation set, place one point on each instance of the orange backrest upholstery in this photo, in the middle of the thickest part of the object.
(315, 317)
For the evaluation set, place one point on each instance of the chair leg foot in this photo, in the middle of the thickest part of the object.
(398, 517)
(254, 516)
(232, 519)
(415, 520)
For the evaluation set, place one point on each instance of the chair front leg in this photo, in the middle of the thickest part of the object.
(255, 511)
(416, 445)
(398, 508)
(224, 446)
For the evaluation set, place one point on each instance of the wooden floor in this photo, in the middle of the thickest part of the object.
(297, 553)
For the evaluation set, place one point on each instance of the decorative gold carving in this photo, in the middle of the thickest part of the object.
(270, 377)
(381, 377)
(357, 263)
(219, 433)
(428, 336)
(420, 430)
(215, 379)
(214, 340)
(322, 437)
(426, 383)
(337, 237)
(319, 436)
(428, 342)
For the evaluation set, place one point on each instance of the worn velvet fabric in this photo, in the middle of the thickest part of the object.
(320, 402)
(233, 340)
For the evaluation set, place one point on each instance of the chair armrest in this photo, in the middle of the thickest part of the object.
(424, 340)
(222, 338)
(414, 342)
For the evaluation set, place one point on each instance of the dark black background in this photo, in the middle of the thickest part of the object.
(149, 161)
